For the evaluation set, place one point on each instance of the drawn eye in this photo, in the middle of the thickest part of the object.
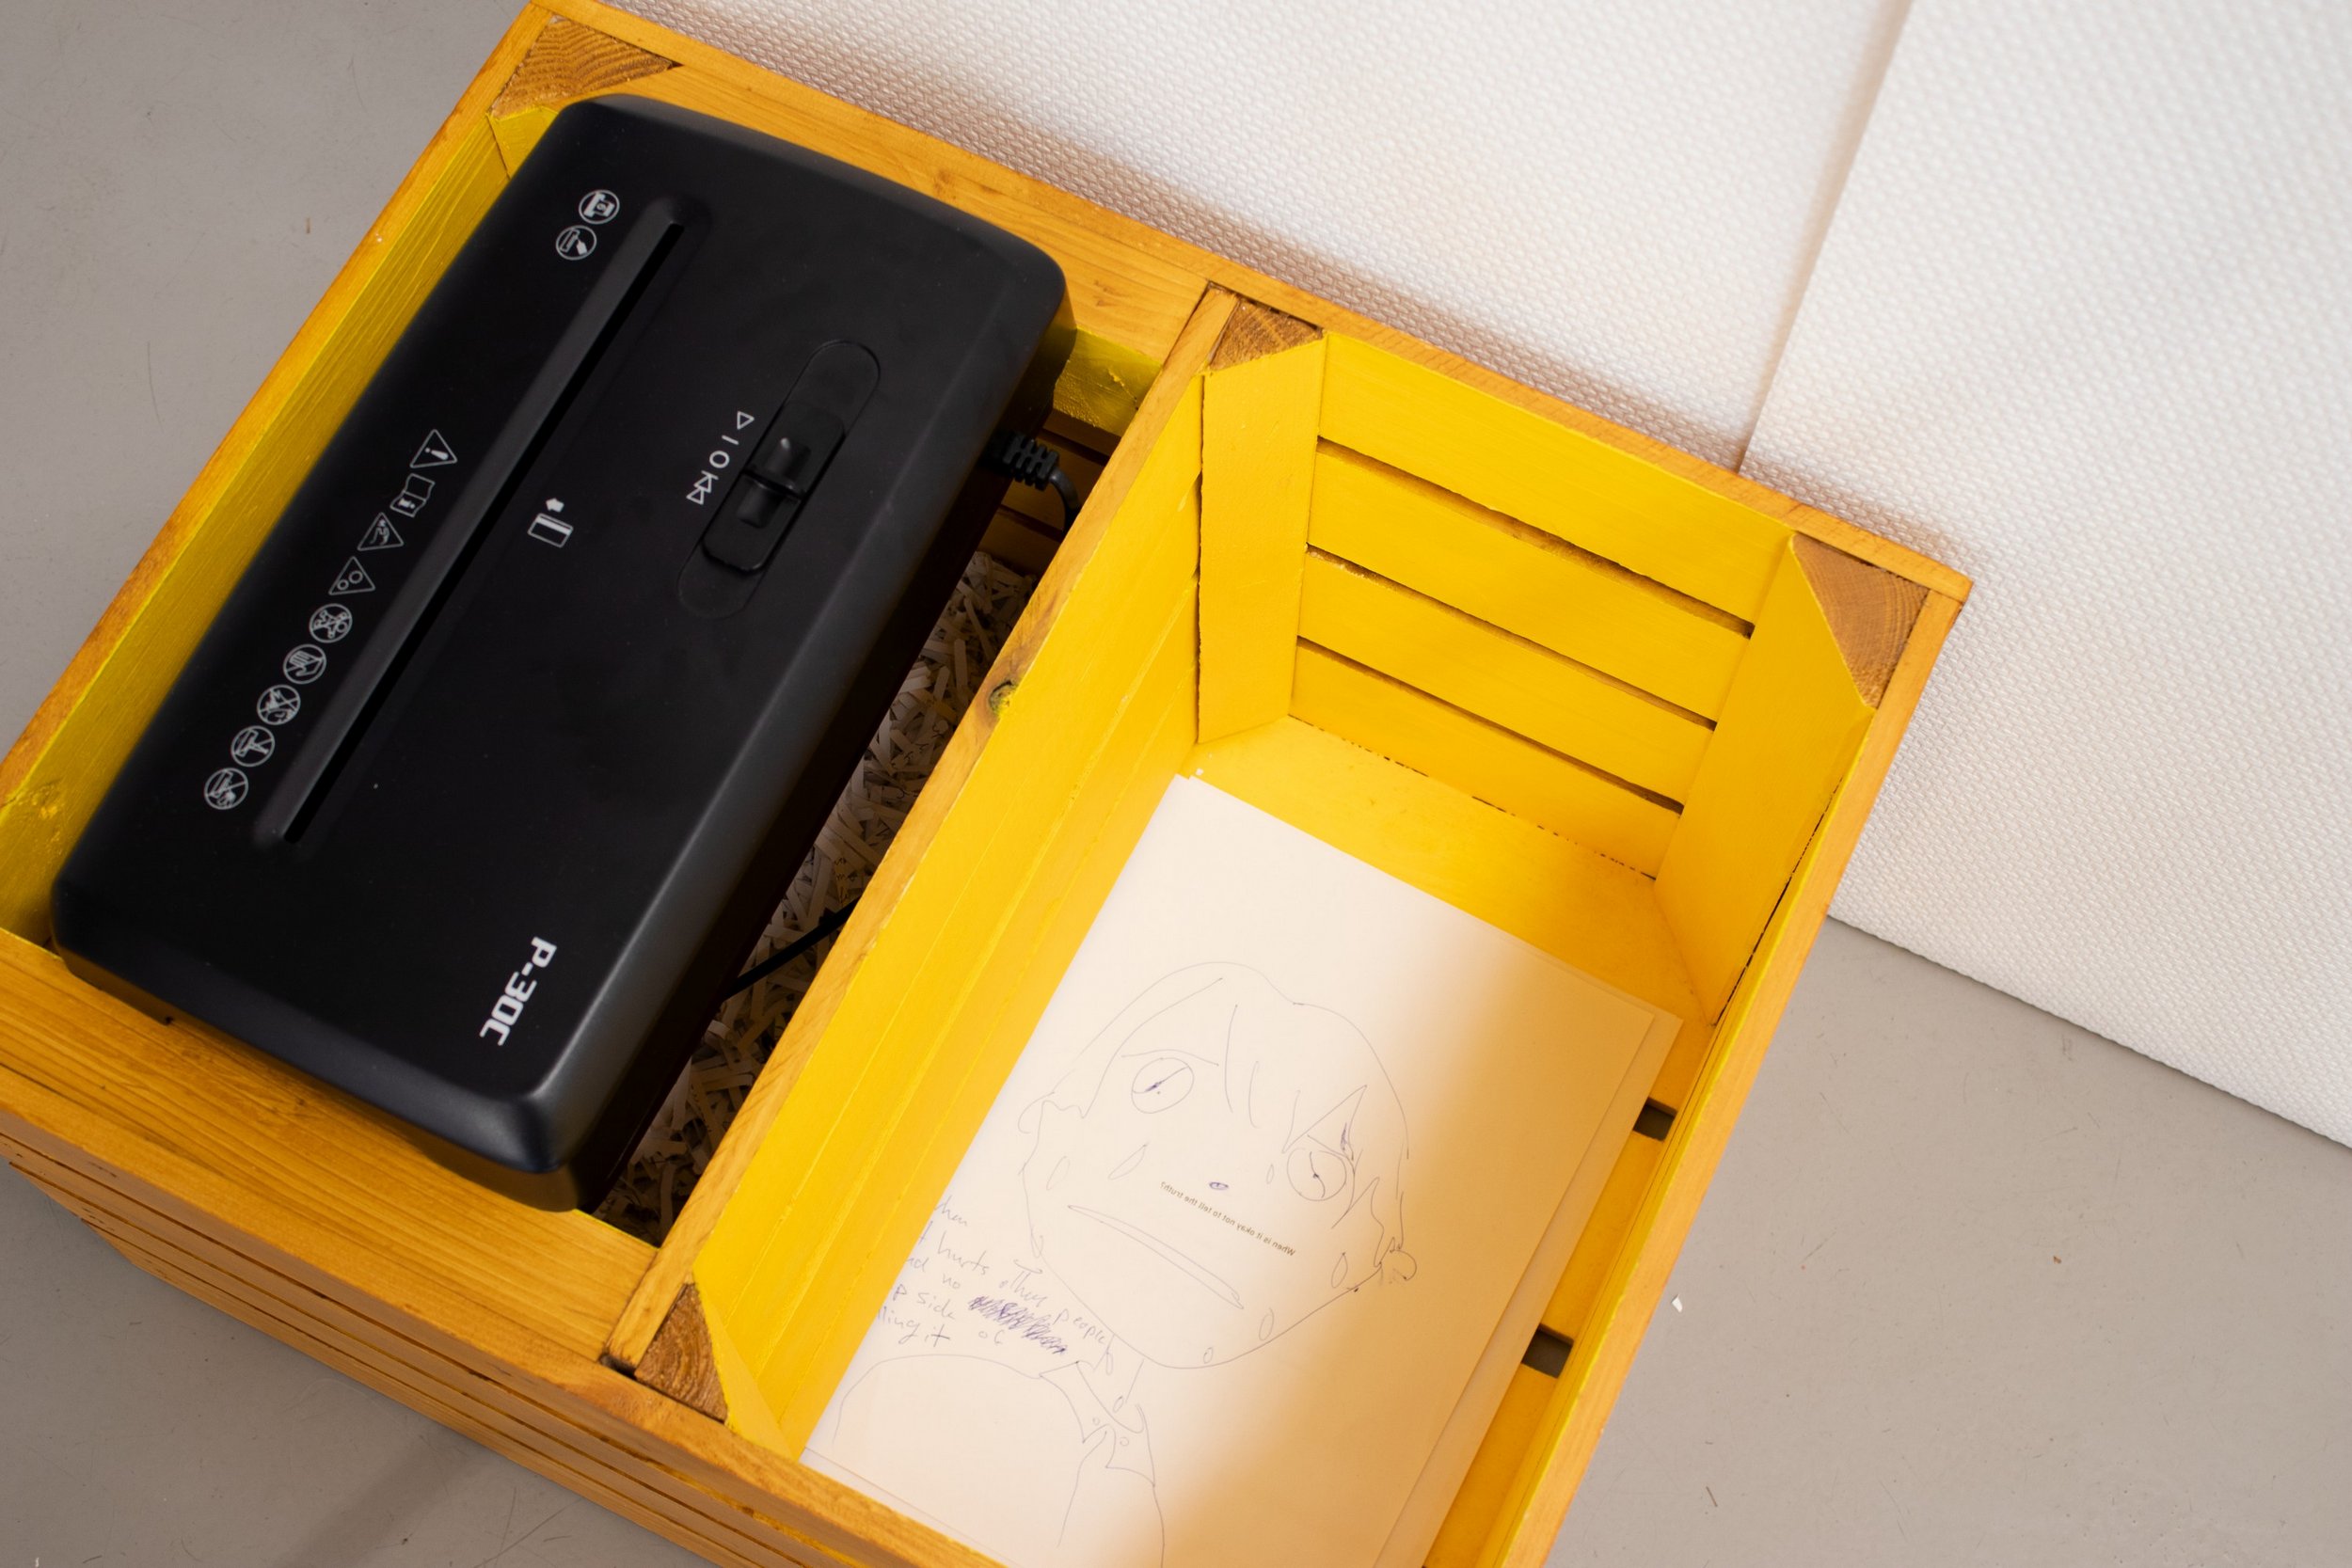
(1164, 1082)
(1316, 1173)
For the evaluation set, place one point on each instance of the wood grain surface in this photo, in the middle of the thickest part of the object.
(569, 59)
(1258, 331)
(679, 1361)
(1870, 609)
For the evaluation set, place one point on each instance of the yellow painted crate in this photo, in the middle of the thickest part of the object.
(1629, 708)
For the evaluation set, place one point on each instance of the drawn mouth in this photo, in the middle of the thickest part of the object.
(1207, 1280)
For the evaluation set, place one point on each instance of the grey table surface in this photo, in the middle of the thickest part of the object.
(1972, 1286)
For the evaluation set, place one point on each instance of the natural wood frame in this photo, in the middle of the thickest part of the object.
(256, 1190)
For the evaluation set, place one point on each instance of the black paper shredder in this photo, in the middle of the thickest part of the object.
(478, 789)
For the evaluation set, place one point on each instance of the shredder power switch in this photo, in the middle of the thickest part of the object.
(748, 528)
(791, 457)
(797, 450)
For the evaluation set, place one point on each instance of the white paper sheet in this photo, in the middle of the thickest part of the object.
(1212, 1282)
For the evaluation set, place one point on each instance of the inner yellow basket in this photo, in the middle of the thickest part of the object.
(1568, 691)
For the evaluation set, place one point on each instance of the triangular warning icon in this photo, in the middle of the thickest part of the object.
(434, 454)
(353, 579)
(381, 535)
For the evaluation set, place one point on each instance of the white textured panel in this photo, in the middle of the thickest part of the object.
(2083, 328)
(1612, 202)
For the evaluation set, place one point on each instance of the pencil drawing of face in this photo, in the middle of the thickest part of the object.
(1220, 1164)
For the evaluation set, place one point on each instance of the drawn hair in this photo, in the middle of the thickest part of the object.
(1307, 1065)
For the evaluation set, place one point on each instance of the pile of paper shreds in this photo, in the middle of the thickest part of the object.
(734, 1046)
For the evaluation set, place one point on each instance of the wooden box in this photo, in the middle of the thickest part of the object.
(1629, 708)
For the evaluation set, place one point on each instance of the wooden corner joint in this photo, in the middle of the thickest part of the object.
(679, 1363)
(1256, 330)
(570, 59)
(1870, 612)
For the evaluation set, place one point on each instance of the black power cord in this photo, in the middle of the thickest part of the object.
(827, 924)
(1027, 461)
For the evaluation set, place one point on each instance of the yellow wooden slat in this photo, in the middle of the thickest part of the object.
(1257, 464)
(519, 132)
(899, 1137)
(1524, 580)
(1104, 382)
(1531, 1513)
(389, 1360)
(765, 1269)
(1683, 1062)
(1490, 762)
(874, 1050)
(470, 1417)
(1604, 1235)
(1147, 478)
(308, 1156)
(560, 1397)
(1046, 740)
(1499, 455)
(1500, 1455)
(1575, 904)
(1506, 679)
(1787, 734)
(1012, 985)
(53, 778)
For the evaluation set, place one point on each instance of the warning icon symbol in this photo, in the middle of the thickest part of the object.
(381, 535)
(353, 579)
(413, 496)
(434, 454)
(225, 788)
